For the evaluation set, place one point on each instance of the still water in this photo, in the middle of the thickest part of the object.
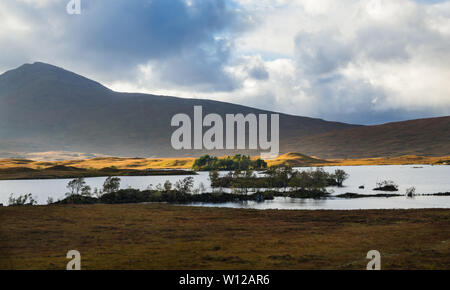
(425, 178)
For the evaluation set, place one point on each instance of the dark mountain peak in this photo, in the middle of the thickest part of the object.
(43, 69)
(43, 74)
(39, 65)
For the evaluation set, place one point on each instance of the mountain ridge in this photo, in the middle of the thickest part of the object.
(47, 108)
(425, 136)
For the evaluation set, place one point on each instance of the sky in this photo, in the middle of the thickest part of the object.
(361, 62)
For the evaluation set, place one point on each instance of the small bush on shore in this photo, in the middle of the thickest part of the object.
(410, 192)
(26, 199)
(386, 185)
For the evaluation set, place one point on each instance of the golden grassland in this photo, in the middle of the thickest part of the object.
(400, 160)
(102, 162)
(163, 236)
(291, 159)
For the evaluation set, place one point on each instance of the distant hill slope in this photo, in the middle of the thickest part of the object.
(46, 108)
(296, 160)
(428, 137)
(20, 168)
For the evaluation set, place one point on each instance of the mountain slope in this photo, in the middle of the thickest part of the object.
(45, 108)
(429, 137)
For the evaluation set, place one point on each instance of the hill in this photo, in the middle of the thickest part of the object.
(291, 159)
(428, 137)
(26, 169)
(46, 108)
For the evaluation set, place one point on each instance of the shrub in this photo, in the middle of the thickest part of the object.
(167, 185)
(50, 200)
(86, 191)
(26, 199)
(386, 185)
(410, 192)
(185, 185)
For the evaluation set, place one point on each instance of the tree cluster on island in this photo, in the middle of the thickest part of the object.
(284, 179)
(236, 162)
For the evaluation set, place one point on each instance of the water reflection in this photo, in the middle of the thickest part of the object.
(286, 203)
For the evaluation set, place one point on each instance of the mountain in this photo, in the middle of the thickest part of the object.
(426, 137)
(46, 108)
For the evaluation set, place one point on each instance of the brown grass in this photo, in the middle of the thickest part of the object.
(161, 236)
(430, 137)
(400, 160)
(102, 162)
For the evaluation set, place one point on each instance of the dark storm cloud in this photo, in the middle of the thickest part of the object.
(188, 41)
(186, 44)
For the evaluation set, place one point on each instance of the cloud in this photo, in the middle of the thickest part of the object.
(358, 61)
(388, 62)
(188, 41)
(363, 61)
(321, 53)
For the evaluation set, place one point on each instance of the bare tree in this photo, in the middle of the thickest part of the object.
(76, 185)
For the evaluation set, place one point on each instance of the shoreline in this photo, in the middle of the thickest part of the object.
(68, 172)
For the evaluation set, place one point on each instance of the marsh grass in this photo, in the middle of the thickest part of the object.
(163, 236)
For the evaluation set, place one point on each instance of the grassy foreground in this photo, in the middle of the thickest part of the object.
(163, 236)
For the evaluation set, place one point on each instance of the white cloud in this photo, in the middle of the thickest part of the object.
(40, 3)
(372, 56)
(361, 61)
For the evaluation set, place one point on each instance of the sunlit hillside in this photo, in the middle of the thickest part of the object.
(289, 159)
